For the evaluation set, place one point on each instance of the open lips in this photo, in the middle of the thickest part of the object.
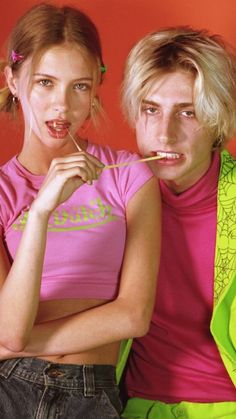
(58, 128)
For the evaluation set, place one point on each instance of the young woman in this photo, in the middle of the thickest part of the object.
(77, 265)
(179, 93)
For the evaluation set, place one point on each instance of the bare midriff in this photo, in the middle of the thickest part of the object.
(58, 309)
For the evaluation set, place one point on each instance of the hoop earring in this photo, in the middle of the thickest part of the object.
(218, 142)
(15, 100)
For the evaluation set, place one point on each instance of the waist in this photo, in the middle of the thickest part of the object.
(68, 376)
(107, 355)
(58, 309)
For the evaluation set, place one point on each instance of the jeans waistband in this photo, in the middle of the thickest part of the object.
(68, 376)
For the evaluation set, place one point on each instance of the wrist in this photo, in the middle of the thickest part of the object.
(40, 213)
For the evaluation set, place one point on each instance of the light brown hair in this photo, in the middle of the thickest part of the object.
(44, 26)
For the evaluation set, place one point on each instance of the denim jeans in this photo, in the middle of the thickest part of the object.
(32, 388)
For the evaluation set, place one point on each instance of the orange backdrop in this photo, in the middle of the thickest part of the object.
(121, 23)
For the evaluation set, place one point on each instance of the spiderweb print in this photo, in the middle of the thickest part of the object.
(225, 264)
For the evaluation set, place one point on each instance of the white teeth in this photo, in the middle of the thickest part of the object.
(168, 155)
(57, 126)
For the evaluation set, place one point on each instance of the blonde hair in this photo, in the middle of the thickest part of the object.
(44, 26)
(182, 48)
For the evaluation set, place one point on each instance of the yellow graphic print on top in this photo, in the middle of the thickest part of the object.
(80, 217)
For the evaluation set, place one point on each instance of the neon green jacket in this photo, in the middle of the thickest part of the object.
(223, 322)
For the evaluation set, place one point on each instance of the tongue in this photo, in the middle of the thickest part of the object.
(57, 130)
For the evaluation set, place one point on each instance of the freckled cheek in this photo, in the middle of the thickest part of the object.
(83, 107)
(35, 103)
(81, 113)
(141, 138)
(142, 143)
(142, 128)
(146, 139)
(29, 106)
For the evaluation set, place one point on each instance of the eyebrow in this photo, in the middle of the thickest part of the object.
(179, 105)
(55, 78)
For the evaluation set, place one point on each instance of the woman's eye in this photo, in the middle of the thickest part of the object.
(82, 86)
(45, 82)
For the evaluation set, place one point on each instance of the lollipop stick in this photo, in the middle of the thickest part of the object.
(74, 141)
(127, 163)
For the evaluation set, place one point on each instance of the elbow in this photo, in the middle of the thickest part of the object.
(17, 346)
(14, 343)
(139, 321)
(140, 328)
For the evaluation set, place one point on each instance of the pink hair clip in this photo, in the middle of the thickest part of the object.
(16, 57)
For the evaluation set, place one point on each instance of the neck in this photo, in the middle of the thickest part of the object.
(37, 157)
(186, 182)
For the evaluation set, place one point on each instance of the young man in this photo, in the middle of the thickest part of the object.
(179, 93)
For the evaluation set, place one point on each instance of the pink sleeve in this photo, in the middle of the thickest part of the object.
(133, 177)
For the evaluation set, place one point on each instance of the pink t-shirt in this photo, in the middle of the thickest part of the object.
(86, 234)
(178, 359)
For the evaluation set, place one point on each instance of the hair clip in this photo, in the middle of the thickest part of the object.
(103, 68)
(16, 57)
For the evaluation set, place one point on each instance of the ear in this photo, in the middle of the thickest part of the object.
(11, 80)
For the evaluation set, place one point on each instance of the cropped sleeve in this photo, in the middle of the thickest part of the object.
(132, 178)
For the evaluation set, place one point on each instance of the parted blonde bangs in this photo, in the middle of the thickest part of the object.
(210, 61)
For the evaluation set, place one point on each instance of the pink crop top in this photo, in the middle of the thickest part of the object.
(86, 234)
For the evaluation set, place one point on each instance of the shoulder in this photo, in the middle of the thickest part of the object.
(110, 155)
(228, 167)
(8, 187)
(7, 173)
(126, 179)
(227, 181)
(9, 166)
(14, 191)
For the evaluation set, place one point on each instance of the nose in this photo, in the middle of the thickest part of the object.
(166, 131)
(61, 100)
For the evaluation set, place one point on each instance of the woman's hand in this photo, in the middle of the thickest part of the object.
(65, 175)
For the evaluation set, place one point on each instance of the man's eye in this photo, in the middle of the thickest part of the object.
(45, 82)
(151, 110)
(188, 114)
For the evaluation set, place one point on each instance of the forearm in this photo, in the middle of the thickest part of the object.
(84, 331)
(19, 294)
